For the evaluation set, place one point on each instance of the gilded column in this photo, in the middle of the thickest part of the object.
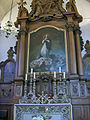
(22, 21)
(78, 51)
(21, 69)
(17, 58)
(71, 49)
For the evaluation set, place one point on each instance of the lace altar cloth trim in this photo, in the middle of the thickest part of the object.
(43, 112)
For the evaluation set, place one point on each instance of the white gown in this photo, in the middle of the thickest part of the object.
(44, 50)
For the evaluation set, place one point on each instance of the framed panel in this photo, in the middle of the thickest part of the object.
(3, 115)
(9, 71)
(47, 49)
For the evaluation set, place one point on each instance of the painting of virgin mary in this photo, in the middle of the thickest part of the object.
(47, 50)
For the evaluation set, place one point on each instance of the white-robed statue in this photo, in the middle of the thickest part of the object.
(46, 46)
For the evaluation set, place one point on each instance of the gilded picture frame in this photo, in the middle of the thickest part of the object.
(47, 49)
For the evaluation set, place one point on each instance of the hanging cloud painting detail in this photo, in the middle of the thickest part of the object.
(47, 50)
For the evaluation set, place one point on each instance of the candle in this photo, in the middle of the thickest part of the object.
(63, 74)
(18, 26)
(0, 25)
(34, 75)
(31, 70)
(54, 74)
(26, 76)
(60, 69)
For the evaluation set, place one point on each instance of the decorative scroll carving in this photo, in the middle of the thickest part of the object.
(71, 7)
(5, 92)
(46, 8)
(21, 3)
(18, 91)
(82, 89)
(22, 9)
(77, 29)
(87, 46)
(70, 26)
(22, 13)
(88, 89)
(81, 42)
(75, 91)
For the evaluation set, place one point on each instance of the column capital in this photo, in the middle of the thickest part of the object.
(77, 29)
(23, 32)
(70, 26)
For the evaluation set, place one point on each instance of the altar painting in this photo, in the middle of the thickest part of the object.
(47, 50)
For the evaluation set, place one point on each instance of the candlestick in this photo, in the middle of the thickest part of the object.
(31, 70)
(31, 80)
(55, 88)
(54, 74)
(34, 85)
(26, 76)
(25, 87)
(34, 75)
(60, 69)
(63, 74)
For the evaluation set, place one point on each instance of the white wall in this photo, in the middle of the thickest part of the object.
(6, 43)
(83, 8)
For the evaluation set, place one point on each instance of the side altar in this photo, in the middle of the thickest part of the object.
(53, 105)
(48, 79)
